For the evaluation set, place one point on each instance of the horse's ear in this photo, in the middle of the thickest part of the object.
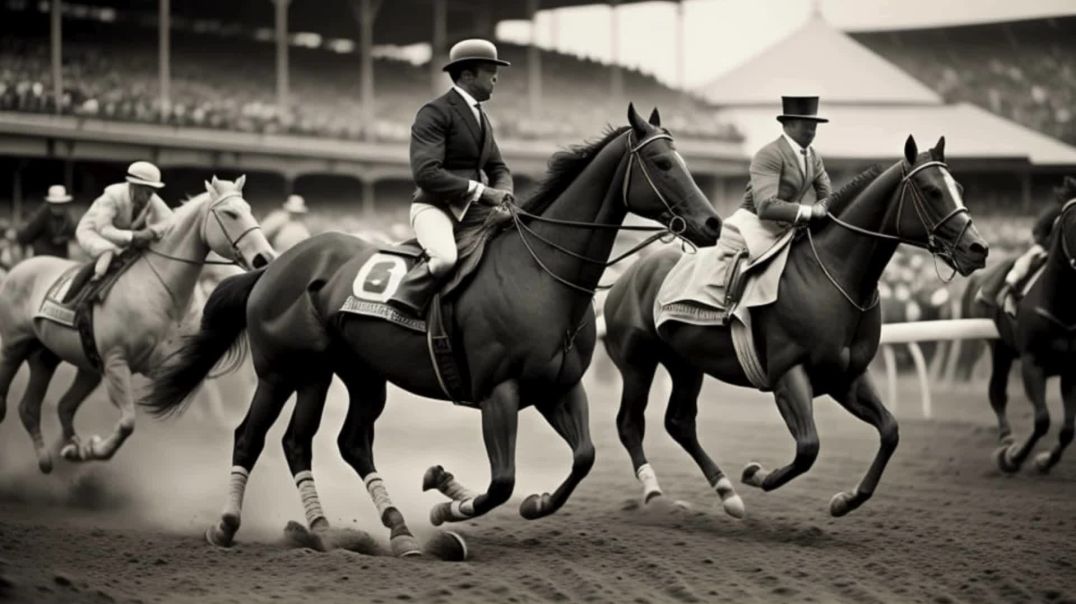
(209, 187)
(239, 182)
(636, 120)
(911, 151)
(215, 181)
(655, 118)
(939, 149)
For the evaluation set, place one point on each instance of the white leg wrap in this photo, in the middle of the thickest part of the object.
(457, 491)
(376, 487)
(646, 475)
(237, 485)
(308, 493)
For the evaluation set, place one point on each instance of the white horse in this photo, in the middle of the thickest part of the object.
(134, 328)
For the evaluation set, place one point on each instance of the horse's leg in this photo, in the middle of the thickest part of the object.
(1002, 357)
(298, 446)
(680, 424)
(118, 384)
(499, 423)
(1048, 459)
(1010, 458)
(794, 400)
(570, 418)
(264, 410)
(84, 383)
(356, 442)
(862, 400)
(42, 365)
(12, 356)
(638, 375)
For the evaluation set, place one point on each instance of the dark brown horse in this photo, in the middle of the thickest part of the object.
(817, 338)
(1043, 337)
(525, 316)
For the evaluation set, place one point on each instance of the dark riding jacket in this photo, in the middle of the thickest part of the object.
(449, 148)
(48, 233)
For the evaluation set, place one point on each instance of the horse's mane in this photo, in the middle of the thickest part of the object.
(852, 188)
(563, 169)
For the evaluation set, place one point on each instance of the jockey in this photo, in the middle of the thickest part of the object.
(51, 227)
(789, 184)
(1026, 265)
(455, 162)
(128, 214)
(285, 227)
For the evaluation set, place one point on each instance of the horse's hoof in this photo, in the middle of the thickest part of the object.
(751, 473)
(534, 505)
(448, 546)
(432, 477)
(44, 463)
(842, 503)
(1044, 462)
(70, 452)
(218, 537)
(405, 546)
(1005, 464)
(734, 507)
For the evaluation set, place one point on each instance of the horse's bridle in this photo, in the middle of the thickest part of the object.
(1061, 232)
(676, 226)
(233, 242)
(937, 247)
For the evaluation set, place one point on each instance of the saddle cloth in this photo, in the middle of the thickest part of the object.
(77, 311)
(694, 290)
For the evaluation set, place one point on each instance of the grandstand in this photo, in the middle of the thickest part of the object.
(1022, 70)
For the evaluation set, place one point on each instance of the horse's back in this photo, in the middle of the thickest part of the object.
(23, 289)
(286, 305)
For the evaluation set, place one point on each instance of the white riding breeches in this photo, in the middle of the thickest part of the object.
(1022, 266)
(435, 231)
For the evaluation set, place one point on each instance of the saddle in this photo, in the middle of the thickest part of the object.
(378, 278)
(70, 299)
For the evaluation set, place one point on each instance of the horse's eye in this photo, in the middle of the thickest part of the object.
(663, 164)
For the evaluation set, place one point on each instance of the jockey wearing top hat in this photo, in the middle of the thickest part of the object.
(456, 163)
(127, 214)
(51, 227)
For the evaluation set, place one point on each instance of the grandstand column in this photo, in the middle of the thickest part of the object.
(282, 85)
(366, 13)
(616, 81)
(534, 62)
(437, 45)
(483, 20)
(164, 56)
(368, 197)
(680, 44)
(56, 20)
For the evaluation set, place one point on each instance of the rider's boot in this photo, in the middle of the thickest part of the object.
(416, 290)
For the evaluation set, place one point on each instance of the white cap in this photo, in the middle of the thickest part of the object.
(144, 173)
(295, 204)
(57, 194)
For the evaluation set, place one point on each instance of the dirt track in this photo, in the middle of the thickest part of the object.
(944, 526)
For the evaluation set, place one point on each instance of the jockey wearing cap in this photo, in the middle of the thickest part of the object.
(128, 214)
(51, 227)
(455, 162)
(789, 184)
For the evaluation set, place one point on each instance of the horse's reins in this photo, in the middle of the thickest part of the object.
(676, 226)
(1043, 312)
(944, 250)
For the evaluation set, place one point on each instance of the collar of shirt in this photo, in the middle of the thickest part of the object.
(801, 153)
(471, 102)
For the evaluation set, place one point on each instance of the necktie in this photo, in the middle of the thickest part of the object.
(481, 119)
(803, 166)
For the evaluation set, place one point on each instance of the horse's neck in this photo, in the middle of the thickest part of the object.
(183, 240)
(601, 180)
(857, 260)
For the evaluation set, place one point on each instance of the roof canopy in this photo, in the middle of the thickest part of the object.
(818, 60)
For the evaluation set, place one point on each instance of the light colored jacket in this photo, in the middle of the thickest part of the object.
(109, 225)
(778, 186)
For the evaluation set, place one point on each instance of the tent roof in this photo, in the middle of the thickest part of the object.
(817, 59)
(874, 132)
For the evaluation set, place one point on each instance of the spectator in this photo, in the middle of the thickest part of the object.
(51, 228)
(287, 226)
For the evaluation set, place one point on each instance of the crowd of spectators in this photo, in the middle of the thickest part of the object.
(229, 83)
(1023, 70)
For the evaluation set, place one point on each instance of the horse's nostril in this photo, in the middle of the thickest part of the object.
(259, 261)
(713, 224)
(978, 248)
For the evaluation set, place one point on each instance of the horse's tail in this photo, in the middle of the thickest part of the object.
(223, 322)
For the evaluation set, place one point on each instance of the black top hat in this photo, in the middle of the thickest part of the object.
(800, 108)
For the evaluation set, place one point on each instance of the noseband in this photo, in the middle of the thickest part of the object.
(677, 225)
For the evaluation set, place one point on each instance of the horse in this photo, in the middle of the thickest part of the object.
(525, 318)
(1043, 336)
(134, 325)
(817, 338)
